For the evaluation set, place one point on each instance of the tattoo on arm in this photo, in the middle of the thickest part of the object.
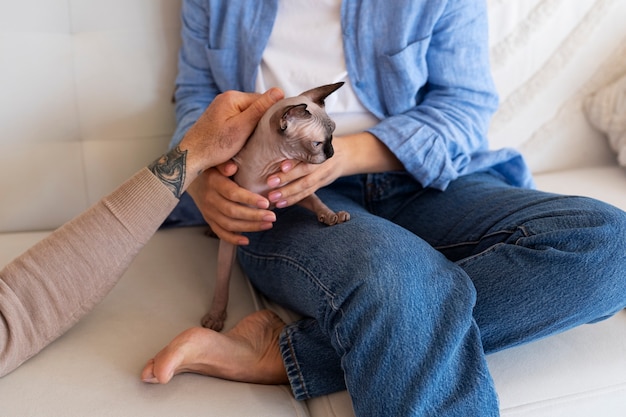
(170, 169)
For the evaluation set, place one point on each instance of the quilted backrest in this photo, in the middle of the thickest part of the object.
(86, 87)
(546, 57)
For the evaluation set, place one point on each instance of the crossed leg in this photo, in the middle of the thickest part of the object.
(247, 353)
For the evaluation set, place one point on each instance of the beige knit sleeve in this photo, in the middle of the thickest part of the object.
(47, 289)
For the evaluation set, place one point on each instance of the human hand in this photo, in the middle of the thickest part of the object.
(228, 208)
(298, 180)
(356, 153)
(222, 130)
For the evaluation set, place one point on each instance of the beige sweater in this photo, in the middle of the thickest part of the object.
(51, 286)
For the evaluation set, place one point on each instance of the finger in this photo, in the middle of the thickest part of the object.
(296, 171)
(231, 237)
(230, 218)
(249, 117)
(236, 218)
(225, 190)
(289, 195)
(288, 165)
(227, 169)
(236, 212)
(237, 238)
(244, 197)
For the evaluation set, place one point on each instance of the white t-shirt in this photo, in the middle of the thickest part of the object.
(305, 50)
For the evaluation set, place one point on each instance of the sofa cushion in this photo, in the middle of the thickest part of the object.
(606, 183)
(94, 369)
(88, 83)
(547, 56)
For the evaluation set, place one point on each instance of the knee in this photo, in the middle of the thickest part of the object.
(607, 237)
(589, 229)
(615, 245)
(601, 259)
(407, 279)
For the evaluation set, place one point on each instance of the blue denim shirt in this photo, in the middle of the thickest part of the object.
(420, 66)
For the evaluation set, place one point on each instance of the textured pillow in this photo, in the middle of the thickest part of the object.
(606, 110)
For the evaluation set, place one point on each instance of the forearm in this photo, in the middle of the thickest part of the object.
(51, 286)
(47, 289)
(363, 153)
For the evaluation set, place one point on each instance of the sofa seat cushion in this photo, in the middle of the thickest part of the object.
(94, 369)
(581, 372)
(606, 183)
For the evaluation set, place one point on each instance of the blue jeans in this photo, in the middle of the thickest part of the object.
(402, 303)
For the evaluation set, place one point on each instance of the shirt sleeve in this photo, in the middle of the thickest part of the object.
(436, 138)
(195, 88)
(47, 289)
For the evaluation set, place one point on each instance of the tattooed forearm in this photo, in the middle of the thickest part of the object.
(170, 169)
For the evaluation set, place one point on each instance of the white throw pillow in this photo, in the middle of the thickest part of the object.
(606, 110)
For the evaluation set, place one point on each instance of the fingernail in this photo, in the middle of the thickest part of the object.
(274, 196)
(267, 226)
(273, 181)
(269, 218)
(281, 204)
(152, 380)
(286, 166)
(263, 204)
(276, 94)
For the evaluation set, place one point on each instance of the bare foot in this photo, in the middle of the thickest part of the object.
(247, 353)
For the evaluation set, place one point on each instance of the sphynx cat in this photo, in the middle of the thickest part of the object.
(295, 128)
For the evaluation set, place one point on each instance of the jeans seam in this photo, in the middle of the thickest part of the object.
(294, 374)
(475, 242)
(492, 248)
(330, 295)
(296, 265)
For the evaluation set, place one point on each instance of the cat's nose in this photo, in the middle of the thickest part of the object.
(328, 148)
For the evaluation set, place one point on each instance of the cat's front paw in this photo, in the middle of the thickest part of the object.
(214, 321)
(331, 218)
(343, 216)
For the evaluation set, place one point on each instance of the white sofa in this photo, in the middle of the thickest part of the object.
(85, 88)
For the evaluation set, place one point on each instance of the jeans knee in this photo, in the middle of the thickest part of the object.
(408, 284)
(610, 238)
(604, 263)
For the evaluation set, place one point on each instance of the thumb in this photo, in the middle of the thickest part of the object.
(227, 169)
(251, 115)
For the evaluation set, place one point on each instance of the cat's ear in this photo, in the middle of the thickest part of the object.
(281, 119)
(318, 94)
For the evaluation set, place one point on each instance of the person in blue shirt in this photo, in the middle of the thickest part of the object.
(450, 254)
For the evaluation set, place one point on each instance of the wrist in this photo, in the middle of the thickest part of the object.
(364, 153)
(171, 170)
